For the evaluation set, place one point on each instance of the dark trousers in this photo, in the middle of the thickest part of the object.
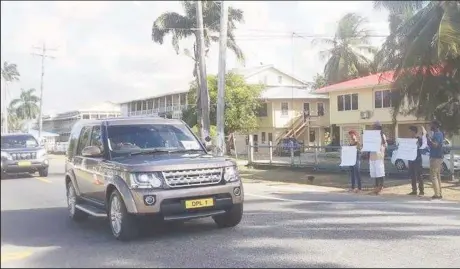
(355, 173)
(415, 173)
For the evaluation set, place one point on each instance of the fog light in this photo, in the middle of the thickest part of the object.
(237, 191)
(45, 162)
(149, 199)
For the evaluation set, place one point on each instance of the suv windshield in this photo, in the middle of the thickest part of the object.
(18, 141)
(127, 139)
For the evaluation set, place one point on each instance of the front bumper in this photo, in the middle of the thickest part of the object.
(24, 166)
(170, 204)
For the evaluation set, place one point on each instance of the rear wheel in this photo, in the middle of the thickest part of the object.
(124, 226)
(74, 213)
(231, 218)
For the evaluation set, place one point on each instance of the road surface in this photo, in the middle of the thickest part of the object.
(284, 226)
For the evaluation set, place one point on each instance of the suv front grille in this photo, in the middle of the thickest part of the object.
(193, 177)
(23, 156)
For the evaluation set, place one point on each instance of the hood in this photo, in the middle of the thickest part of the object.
(13, 150)
(168, 162)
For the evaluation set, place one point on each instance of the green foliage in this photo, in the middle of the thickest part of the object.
(241, 104)
(26, 106)
(212, 131)
(319, 81)
(10, 72)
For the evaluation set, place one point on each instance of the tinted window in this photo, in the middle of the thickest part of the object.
(96, 137)
(127, 138)
(73, 140)
(19, 141)
(84, 139)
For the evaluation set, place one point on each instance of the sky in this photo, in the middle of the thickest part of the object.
(104, 51)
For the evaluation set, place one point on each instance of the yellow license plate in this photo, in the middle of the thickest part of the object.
(199, 203)
(24, 163)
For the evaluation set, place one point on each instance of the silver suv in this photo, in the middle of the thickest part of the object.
(132, 168)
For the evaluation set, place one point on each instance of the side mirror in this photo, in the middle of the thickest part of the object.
(209, 147)
(207, 139)
(91, 151)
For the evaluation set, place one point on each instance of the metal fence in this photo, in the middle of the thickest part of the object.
(327, 158)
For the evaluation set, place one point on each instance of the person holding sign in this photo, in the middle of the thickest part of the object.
(376, 161)
(435, 142)
(415, 166)
(355, 171)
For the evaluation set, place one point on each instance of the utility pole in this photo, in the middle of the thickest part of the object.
(43, 55)
(204, 95)
(221, 82)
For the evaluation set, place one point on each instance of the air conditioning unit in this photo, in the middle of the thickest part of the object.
(365, 115)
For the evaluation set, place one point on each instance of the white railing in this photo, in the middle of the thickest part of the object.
(156, 111)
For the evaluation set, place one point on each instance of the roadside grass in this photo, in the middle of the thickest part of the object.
(451, 190)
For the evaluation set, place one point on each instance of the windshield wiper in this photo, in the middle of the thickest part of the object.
(149, 151)
(185, 150)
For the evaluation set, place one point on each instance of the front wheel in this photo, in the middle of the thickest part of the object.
(75, 214)
(43, 172)
(123, 225)
(231, 218)
(400, 165)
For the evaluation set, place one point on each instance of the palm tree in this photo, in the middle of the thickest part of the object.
(319, 81)
(345, 57)
(426, 60)
(9, 74)
(14, 122)
(26, 105)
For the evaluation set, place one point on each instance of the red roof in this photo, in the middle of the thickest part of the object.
(384, 78)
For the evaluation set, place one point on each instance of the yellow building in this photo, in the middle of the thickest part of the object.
(356, 104)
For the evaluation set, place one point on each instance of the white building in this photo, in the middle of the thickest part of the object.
(62, 123)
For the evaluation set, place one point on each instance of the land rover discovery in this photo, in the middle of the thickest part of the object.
(21, 153)
(130, 168)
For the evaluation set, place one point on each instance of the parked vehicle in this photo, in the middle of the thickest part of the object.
(446, 166)
(135, 169)
(284, 147)
(21, 153)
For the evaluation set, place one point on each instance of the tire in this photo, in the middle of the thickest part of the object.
(123, 225)
(400, 165)
(231, 218)
(75, 214)
(43, 172)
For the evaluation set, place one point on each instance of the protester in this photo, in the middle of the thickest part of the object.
(415, 166)
(355, 171)
(376, 161)
(435, 142)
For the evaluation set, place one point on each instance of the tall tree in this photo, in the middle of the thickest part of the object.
(426, 61)
(26, 106)
(319, 81)
(241, 104)
(183, 26)
(10, 73)
(346, 56)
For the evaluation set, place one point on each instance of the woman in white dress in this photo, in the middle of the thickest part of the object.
(377, 162)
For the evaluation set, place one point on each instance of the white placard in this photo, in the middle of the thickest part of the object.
(372, 141)
(190, 144)
(348, 155)
(407, 149)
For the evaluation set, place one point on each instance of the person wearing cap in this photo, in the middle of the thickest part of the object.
(415, 166)
(435, 142)
(376, 161)
(355, 171)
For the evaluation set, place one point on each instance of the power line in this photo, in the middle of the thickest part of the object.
(43, 55)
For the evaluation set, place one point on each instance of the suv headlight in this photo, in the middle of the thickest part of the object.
(41, 153)
(6, 155)
(146, 180)
(231, 174)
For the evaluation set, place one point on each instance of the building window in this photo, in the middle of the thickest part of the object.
(149, 104)
(169, 101)
(183, 100)
(263, 110)
(320, 107)
(270, 137)
(138, 105)
(280, 79)
(382, 99)
(347, 102)
(86, 117)
(284, 109)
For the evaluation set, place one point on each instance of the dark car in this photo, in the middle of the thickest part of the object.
(285, 145)
(135, 169)
(21, 153)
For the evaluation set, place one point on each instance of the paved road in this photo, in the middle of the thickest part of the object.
(283, 226)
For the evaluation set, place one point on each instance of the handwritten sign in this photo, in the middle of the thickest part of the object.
(372, 141)
(348, 156)
(190, 144)
(407, 149)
